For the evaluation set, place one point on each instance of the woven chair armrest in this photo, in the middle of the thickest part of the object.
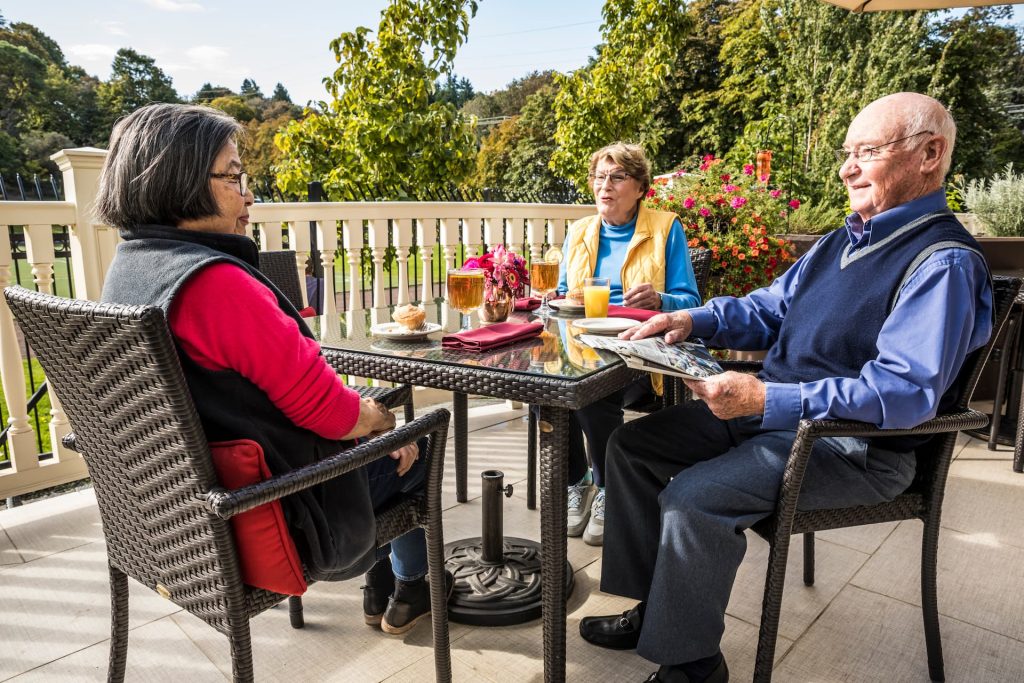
(811, 430)
(751, 367)
(227, 504)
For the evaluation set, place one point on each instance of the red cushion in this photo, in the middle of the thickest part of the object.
(266, 550)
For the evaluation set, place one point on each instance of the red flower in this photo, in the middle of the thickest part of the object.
(794, 204)
(748, 169)
(725, 177)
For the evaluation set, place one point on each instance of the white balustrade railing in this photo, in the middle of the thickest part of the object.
(446, 231)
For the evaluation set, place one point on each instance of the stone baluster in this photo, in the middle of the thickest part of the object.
(352, 240)
(327, 237)
(471, 237)
(378, 247)
(494, 233)
(426, 238)
(298, 241)
(270, 236)
(21, 438)
(535, 228)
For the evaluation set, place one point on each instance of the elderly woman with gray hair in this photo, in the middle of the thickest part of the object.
(644, 255)
(174, 185)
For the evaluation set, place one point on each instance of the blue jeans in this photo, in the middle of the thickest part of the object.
(408, 551)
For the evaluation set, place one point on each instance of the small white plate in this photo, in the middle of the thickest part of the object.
(565, 305)
(604, 325)
(400, 333)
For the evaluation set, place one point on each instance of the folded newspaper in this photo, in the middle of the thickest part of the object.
(691, 360)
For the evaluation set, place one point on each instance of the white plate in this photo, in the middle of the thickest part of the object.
(603, 325)
(399, 333)
(565, 305)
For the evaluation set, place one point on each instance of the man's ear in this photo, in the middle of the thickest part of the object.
(933, 151)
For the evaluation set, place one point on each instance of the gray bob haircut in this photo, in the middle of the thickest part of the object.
(630, 157)
(157, 169)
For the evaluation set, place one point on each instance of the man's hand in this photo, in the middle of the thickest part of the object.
(731, 394)
(406, 456)
(642, 296)
(676, 326)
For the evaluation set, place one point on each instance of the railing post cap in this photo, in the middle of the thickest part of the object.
(80, 157)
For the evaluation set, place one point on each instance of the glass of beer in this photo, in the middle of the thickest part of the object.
(544, 280)
(465, 292)
(596, 291)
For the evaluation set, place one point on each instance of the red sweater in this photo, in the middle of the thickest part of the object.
(224, 319)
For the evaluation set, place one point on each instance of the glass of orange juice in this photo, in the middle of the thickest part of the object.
(596, 291)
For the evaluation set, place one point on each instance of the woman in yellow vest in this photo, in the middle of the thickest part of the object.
(644, 254)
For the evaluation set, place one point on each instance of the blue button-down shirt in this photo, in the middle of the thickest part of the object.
(938, 319)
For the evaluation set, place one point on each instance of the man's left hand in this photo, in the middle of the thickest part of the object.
(406, 456)
(642, 296)
(731, 394)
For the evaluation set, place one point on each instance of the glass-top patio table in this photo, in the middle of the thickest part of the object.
(553, 371)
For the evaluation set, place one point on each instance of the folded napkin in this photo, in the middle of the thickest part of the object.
(638, 314)
(308, 312)
(492, 336)
(527, 303)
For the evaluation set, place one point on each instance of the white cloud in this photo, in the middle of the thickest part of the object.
(92, 51)
(207, 57)
(114, 28)
(175, 5)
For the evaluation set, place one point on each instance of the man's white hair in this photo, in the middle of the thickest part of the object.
(920, 113)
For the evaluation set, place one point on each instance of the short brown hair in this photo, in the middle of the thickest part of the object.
(157, 169)
(630, 157)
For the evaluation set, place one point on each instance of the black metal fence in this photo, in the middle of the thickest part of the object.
(37, 188)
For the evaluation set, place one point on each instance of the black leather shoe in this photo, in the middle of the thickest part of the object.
(380, 584)
(615, 632)
(674, 674)
(410, 603)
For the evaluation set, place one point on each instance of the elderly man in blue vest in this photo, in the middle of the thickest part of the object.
(872, 324)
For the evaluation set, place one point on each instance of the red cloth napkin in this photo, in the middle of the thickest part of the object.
(492, 336)
(638, 314)
(527, 303)
(308, 312)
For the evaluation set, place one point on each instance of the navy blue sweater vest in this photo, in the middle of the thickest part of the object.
(843, 299)
(332, 524)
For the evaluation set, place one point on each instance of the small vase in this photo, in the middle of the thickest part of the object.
(498, 307)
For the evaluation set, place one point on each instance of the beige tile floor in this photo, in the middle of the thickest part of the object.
(860, 622)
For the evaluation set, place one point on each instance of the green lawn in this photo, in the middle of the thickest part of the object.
(43, 428)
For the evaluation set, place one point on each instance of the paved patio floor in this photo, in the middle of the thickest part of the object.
(860, 622)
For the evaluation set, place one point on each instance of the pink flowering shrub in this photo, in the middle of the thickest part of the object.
(736, 216)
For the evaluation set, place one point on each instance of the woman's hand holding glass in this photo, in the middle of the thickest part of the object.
(642, 296)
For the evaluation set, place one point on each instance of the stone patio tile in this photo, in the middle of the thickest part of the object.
(866, 538)
(423, 671)
(979, 577)
(60, 604)
(8, 553)
(975, 449)
(985, 497)
(801, 605)
(864, 636)
(501, 446)
(48, 526)
(157, 652)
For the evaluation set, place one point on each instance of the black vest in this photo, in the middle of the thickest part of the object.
(333, 523)
(831, 327)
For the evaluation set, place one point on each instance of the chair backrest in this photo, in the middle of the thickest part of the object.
(700, 260)
(280, 268)
(932, 461)
(117, 375)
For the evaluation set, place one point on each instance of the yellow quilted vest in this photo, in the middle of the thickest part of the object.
(645, 254)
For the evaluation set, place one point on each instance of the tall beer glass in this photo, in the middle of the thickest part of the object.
(465, 292)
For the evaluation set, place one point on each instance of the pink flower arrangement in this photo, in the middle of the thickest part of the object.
(503, 269)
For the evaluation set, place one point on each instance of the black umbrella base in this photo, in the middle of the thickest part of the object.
(488, 594)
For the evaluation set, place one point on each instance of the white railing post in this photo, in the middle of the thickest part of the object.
(92, 244)
(298, 241)
(426, 238)
(352, 240)
(327, 239)
(21, 438)
(494, 232)
(402, 240)
(378, 247)
(270, 236)
(535, 237)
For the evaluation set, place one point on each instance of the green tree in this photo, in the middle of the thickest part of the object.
(281, 94)
(453, 90)
(380, 126)
(614, 98)
(250, 89)
(22, 87)
(511, 99)
(209, 92)
(135, 80)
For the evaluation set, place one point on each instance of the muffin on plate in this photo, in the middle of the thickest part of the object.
(410, 317)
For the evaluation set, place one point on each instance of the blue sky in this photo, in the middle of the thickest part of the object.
(195, 41)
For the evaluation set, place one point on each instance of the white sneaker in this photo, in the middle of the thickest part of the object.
(594, 535)
(581, 498)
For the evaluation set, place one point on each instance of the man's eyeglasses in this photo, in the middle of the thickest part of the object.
(613, 178)
(869, 153)
(242, 179)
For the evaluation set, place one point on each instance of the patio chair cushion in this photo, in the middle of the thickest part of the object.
(266, 551)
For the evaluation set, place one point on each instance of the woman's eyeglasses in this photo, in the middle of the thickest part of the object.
(242, 179)
(612, 178)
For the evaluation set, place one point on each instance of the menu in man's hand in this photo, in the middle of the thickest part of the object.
(690, 360)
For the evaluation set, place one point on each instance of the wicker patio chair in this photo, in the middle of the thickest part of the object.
(922, 500)
(165, 518)
(280, 268)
